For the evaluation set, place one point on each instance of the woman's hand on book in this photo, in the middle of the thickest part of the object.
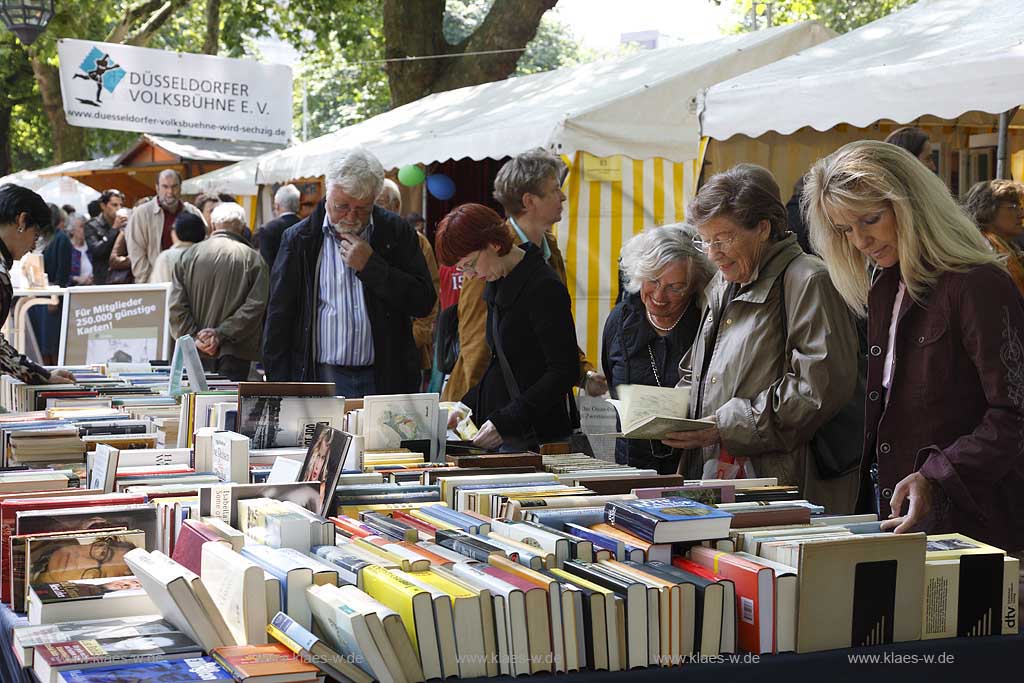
(696, 439)
(921, 492)
(488, 436)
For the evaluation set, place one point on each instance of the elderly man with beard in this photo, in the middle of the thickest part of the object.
(152, 224)
(345, 286)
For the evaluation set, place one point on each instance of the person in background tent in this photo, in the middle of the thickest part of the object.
(915, 141)
(101, 232)
(206, 203)
(151, 224)
(57, 264)
(119, 271)
(93, 208)
(25, 221)
(997, 208)
(81, 265)
(390, 198)
(286, 214)
(188, 230)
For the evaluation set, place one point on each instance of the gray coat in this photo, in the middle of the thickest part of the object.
(768, 406)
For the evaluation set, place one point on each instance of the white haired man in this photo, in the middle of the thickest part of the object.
(151, 224)
(347, 281)
(219, 295)
(286, 212)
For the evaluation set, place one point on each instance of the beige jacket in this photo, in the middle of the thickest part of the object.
(222, 283)
(474, 354)
(423, 328)
(143, 232)
(768, 406)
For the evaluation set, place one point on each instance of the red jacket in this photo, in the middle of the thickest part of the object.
(956, 409)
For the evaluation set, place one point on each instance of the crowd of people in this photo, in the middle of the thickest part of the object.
(867, 349)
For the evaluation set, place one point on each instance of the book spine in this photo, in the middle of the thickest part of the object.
(463, 547)
(633, 521)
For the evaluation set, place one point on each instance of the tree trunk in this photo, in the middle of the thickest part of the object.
(212, 42)
(414, 29)
(5, 140)
(68, 140)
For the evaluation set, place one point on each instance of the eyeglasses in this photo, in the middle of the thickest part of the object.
(678, 289)
(706, 247)
(469, 267)
(360, 212)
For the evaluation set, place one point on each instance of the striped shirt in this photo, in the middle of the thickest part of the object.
(343, 322)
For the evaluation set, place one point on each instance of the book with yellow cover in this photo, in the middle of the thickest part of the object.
(469, 626)
(954, 546)
(415, 606)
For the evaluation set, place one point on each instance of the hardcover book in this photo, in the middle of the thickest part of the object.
(668, 520)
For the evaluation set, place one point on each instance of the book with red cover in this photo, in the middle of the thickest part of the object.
(188, 548)
(351, 527)
(246, 662)
(9, 510)
(755, 596)
(415, 522)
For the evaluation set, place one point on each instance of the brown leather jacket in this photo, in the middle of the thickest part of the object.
(474, 354)
(956, 406)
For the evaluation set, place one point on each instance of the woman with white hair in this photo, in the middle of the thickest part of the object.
(944, 417)
(649, 331)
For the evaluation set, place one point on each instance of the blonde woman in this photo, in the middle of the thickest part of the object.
(944, 422)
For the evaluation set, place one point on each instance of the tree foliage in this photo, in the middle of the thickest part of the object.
(839, 15)
(342, 77)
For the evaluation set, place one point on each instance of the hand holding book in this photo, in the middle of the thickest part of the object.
(647, 412)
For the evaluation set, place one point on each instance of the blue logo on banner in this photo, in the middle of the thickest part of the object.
(100, 68)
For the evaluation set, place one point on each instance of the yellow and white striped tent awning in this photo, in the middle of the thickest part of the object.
(610, 200)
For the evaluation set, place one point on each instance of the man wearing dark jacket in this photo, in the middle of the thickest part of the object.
(286, 210)
(101, 233)
(345, 286)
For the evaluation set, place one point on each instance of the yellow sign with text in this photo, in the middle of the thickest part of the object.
(602, 169)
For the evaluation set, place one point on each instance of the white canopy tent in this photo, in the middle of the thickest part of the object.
(937, 57)
(636, 107)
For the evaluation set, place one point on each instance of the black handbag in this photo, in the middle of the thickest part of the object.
(446, 341)
(838, 445)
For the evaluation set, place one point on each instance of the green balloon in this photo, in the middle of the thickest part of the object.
(411, 175)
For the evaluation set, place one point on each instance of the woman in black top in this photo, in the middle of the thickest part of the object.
(24, 223)
(651, 329)
(525, 401)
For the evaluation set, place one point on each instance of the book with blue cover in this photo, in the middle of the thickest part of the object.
(668, 520)
(195, 670)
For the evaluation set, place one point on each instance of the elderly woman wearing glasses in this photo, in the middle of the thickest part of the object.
(776, 355)
(649, 331)
(944, 419)
(523, 398)
(997, 208)
(25, 221)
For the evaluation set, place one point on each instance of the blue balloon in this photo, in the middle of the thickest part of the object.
(441, 186)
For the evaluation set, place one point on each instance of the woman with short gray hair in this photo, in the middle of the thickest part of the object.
(651, 329)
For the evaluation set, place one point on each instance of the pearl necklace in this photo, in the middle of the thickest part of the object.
(671, 327)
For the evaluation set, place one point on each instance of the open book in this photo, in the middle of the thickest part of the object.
(647, 412)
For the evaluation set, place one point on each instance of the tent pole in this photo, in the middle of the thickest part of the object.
(1002, 151)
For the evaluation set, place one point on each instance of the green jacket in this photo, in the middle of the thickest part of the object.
(222, 283)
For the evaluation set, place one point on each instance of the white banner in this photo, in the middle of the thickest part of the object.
(107, 85)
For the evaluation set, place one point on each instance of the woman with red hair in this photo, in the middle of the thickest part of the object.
(524, 395)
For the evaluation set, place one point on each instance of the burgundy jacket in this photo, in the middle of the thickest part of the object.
(956, 409)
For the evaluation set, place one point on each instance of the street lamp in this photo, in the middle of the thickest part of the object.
(26, 18)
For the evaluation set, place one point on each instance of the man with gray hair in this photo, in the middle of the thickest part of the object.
(286, 212)
(151, 224)
(219, 295)
(345, 286)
